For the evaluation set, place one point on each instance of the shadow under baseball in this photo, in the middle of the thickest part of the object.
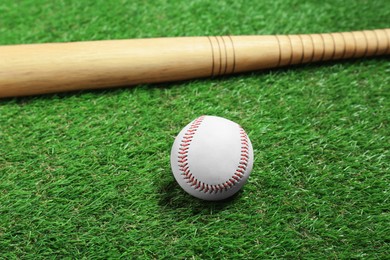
(174, 198)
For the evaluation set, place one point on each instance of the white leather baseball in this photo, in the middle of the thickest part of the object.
(212, 158)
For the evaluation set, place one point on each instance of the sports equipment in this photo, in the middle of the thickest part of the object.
(55, 67)
(212, 158)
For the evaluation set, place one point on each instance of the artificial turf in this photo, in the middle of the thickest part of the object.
(87, 174)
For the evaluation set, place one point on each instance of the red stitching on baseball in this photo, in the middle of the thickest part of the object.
(195, 183)
(240, 171)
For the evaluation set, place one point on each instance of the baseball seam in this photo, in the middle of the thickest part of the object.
(184, 167)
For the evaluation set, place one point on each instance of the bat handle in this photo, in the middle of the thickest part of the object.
(306, 48)
(231, 54)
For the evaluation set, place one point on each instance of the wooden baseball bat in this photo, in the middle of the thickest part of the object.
(56, 67)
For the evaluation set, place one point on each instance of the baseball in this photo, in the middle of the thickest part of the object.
(212, 158)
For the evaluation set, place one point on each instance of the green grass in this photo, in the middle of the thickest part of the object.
(87, 174)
